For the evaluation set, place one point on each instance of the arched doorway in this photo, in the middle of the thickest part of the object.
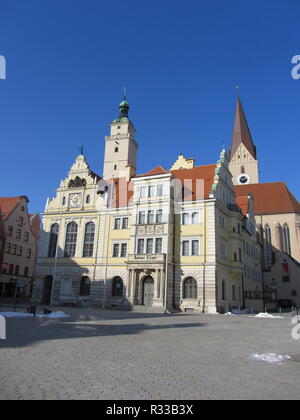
(117, 287)
(48, 282)
(148, 291)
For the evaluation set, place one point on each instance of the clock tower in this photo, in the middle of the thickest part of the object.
(243, 163)
(121, 146)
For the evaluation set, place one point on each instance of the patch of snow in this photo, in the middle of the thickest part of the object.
(229, 313)
(16, 315)
(271, 358)
(266, 315)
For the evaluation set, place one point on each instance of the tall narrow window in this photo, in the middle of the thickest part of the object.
(88, 199)
(53, 240)
(286, 239)
(233, 292)
(195, 218)
(185, 218)
(118, 223)
(125, 223)
(140, 246)
(159, 191)
(159, 216)
(89, 237)
(185, 248)
(223, 290)
(123, 250)
(149, 246)
(151, 216)
(71, 240)
(151, 191)
(158, 245)
(142, 217)
(279, 237)
(268, 241)
(116, 250)
(195, 247)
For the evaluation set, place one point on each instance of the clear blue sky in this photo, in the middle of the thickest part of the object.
(68, 60)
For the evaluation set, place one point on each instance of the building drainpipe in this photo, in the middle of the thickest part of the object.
(204, 264)
(107, 250)
(56, 256)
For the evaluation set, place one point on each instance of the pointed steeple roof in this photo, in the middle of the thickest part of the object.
(241, 132)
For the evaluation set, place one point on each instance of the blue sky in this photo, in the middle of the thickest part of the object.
(68, 60)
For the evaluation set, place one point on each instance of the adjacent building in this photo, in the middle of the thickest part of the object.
(18, 263)
(177, 239)
(277, 214)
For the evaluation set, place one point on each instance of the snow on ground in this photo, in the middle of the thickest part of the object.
(271, 358)
(53, 315)
(266, 315)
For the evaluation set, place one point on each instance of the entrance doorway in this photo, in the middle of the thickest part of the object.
(148, 291)
(48, 281)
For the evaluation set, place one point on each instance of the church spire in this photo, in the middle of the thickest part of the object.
(241, 132)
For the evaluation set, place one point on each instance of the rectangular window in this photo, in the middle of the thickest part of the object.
(125, 223)
(286, 279)
(151, 191)
(294, 293)
(159, 216)
(17, 269)
(195, 247)
(123, 250)
(11, 269)
(13, 250)
(26, 236)
(26, 271)
(185, 248)
(143, 192)
(185, 218)
(117, 223)
(18, 234)
(28, 253)
(19, 252)
(160, 191)
(116, 249)
(149, 246)
(10, 231)
(140, 246)
(142, 217)
(8, 247)
(151, 216)
(158, 245)
(20, 221)
(195, 218)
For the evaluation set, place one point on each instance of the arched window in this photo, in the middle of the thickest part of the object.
(223, 290)
(53, 240)
(279, 237)
(71, 240)
(85, 286)
(286, 239)
(88, 199)
(268, 239)
(89, 237)
(117, 287)
(116, 149)
(190, 288)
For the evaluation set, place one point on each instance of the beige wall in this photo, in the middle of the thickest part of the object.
(243, 159)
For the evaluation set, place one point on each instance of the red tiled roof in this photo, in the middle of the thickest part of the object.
(35, 224)
(270, 198)
(189, 178)
(7, 204)
(242, 202)
(159, 170)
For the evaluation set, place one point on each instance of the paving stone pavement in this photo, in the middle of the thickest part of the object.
(114, 355)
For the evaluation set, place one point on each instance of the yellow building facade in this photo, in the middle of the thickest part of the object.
(166, 240)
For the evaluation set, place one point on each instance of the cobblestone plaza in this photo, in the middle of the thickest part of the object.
(126, 355)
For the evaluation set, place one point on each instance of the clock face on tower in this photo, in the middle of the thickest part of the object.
(243, 179)
(75, 200)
